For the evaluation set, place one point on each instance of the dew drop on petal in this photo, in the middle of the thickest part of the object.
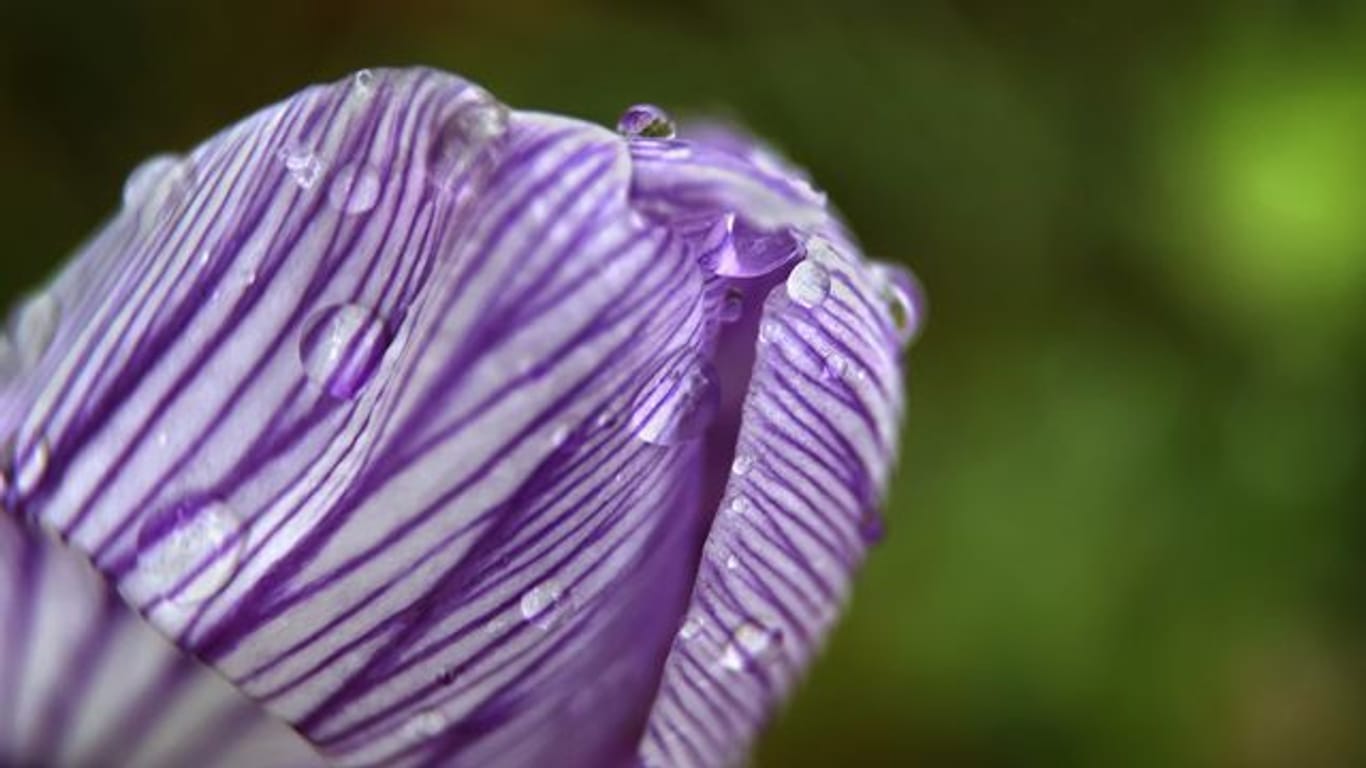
(691, 628)
(750, 642)
(742, 465)
(304, 166)
(31, 467)
(355, 189)
(469, 129)
(739, 505)
(678, 402)
(560, 436)
(424, 725)
(808, 284)
(192, 549)
(542, 605)
(646, 121)
(33, 328)
(365, 80)
(341, 347)
(732, 306)
(158, 181)
(732, 562)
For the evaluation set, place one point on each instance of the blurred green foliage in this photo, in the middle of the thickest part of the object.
(1129, 525)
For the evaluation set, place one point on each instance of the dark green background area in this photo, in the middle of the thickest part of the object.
(1129, 526)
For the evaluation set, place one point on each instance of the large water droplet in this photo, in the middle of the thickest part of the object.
(808, 284)
(191, 550)
(678, 402)
(158, 181)
(471, 127)
(355, 189)
(749, 643)
(341, 348)
(304, 166)
(33, 328)
(542, 605)
(646, 121)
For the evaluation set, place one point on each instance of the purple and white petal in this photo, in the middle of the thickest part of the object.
(817, 440)
(85, 681)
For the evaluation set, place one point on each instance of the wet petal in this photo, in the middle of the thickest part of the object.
(684, 179)
(379, 462)
(85, 681)
(816, 442)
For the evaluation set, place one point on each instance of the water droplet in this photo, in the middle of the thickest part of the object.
(835, 367)
(341, 348)
(424, 725)
(749, 643)
(192, 549)
(365, 80)
(157, 181)
(904, 299)
(561, 435)
(732, 306)
(732, 562)
(646, 121)
(678, 402)
(30, 468)
(542, 605)
(770, 332)
(34, 327)
(304, 166)
(691, 628)
(742, 465)
(740, 505)
(808, 284)
(474, 123)
(821, 251)
(355, 189)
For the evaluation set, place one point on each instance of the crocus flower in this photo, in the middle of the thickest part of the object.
(393, 427)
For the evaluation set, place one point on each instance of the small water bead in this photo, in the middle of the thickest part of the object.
(424, 725)
(732, 306)
(192, 550)
(33, 328)
(303, 165)
(749, 642)
(560, 435)
(691, 628)
(542, 605)
(742, 465)
(809, 283)
(646, 121)
(341, 348)
(355, 189)
(30, 468)
(364, 79)
(678, 402)
(732, 562)
(740, 505)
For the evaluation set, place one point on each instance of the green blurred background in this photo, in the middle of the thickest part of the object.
(1129, 526)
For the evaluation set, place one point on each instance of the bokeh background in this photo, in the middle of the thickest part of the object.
(1129, 526)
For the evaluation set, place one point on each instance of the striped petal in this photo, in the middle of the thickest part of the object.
(85, 681)
(412, 416)
(817, 437)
